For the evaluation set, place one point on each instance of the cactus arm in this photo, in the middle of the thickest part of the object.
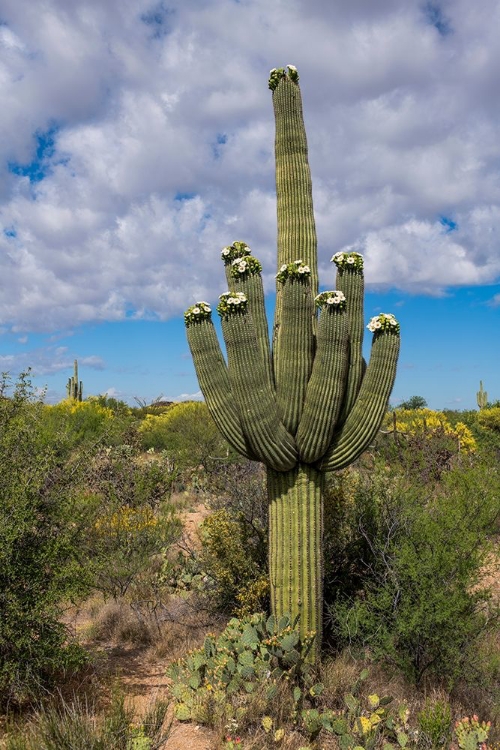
(325, 390)
(365, 419)
(295, 338)
(265, 433)
(213, 379)
(244, 276)
(351, 282)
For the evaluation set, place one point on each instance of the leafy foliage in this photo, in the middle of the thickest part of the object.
(37, 545)
(422, 605)
(187, 432)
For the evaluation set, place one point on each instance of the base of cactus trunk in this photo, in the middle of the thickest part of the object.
(296, 546)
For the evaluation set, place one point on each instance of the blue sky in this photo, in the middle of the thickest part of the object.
(136, 140)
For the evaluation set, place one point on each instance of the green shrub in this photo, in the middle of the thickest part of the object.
(132, 520)
(252, 655)
(233, 579)
(187, 432)
(77, 726)
(422, 604)
(434, 723)
(40, 531)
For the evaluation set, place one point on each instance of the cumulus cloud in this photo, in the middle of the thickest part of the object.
(136, 141)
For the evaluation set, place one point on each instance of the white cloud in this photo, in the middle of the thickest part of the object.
(162, 147)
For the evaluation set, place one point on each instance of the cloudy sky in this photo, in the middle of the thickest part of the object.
(136, 140)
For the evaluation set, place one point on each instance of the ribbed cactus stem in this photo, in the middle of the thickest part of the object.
(313, 405)
(213, 378)
(296, 225)
(260, 420)
(74, 387)
(295, 545)
(482, 396)
(296, 346)
(325, 390)
(364, 420)
(350, 280)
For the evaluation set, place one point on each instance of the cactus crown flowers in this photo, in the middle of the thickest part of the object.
(333, 300)
(296, 270)
(232, 302)
(245, 266)
(236, 250)
(276, 74)
(350, 261)
(385, 322)
(198, 311)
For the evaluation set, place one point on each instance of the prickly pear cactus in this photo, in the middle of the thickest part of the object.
(309, 404)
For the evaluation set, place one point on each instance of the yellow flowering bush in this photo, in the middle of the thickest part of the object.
(430, 423)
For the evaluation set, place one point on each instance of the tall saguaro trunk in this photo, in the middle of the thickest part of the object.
(296, 544)
(312, 404)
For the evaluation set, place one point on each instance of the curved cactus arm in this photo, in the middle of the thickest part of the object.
(255, 400)
(296, 225)
(325, 390)
(243, 273)
(351, 282)
(213, 377)
(365, 419)
(292, 368)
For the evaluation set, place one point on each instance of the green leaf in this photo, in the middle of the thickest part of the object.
(351, 702)
(289, 641)
(271, 624)
(249, 637)
(402, 738)
(283, 623)
(182, 712)
(317, 689)
(194, 681)
(297, 694)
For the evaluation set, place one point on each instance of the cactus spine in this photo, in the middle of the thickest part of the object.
(482, 396)
(74, 387)
(311, 405)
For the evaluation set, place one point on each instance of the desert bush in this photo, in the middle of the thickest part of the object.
(133, 519)
(40, 531)
(434, 723)
(234, 574)
(424, 443)
(422, 604)
(87, 422)
(78, 725)
(188, 434)
(489, 418)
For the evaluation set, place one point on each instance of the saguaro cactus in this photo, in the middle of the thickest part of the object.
(481, 396)
(74, 387)
(311, 405)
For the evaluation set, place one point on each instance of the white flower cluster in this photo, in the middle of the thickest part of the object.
(353, 261)
(243, 266)
(276, 74)
(232, 302)
(197, 312)
(334, 300)
(383, 322)
(234, 251)
(297, 269)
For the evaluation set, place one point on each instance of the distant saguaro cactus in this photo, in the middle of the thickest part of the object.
(311, 405)
(74, 387)
(481, 396)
